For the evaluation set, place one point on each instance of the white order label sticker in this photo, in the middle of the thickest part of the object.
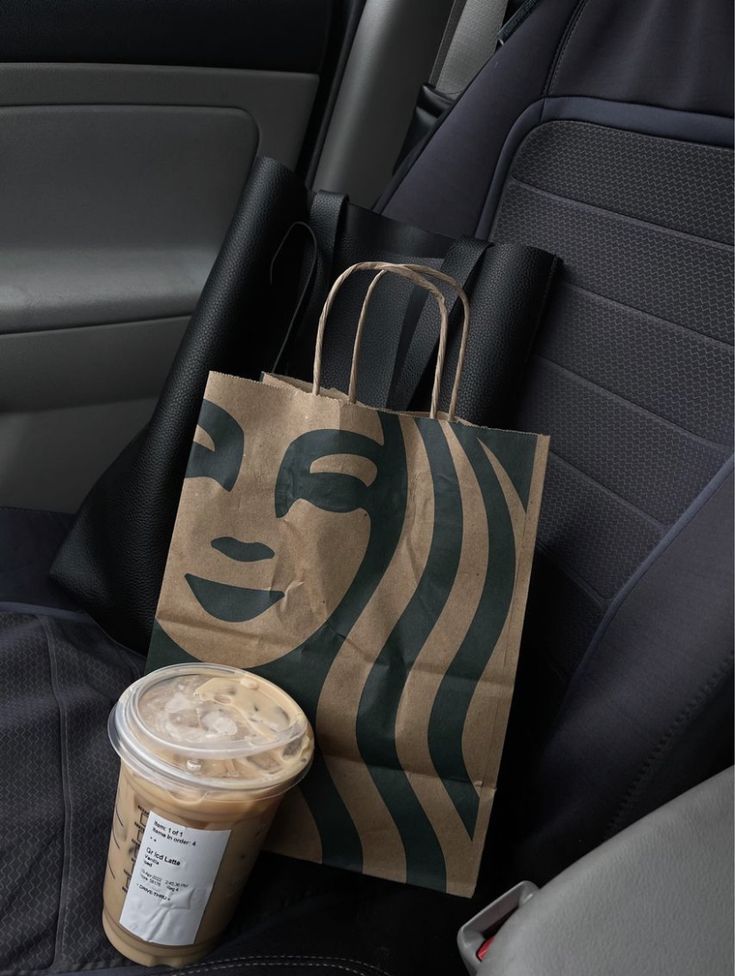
(172, 880)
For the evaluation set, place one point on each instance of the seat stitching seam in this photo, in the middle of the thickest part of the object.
(537, 132)
(695, 334)
(618, 601)
(311, 962)
(313, 957)
(616, 214)
(584, 584)
(624, 502)
(563, 44)
(630, 134)
(38, 610)
(625, 401)
(290, 960)
(55, 690)
(665, 743)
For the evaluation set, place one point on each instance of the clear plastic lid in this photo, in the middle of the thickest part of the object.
(213, 727)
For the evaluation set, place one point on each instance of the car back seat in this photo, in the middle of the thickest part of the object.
(601, 131)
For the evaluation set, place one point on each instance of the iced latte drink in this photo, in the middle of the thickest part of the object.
(207, 752)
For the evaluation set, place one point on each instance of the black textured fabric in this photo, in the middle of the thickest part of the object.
(667, 182)
(593, 335)
(657, 271)
(59, 678)
(620, 473)
(633, 378)
(659, 677)
(641, 451)
(30, 816)
(29, 540)
(59, 681)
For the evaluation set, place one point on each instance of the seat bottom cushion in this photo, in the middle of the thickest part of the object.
(60, 676)
(29, 539)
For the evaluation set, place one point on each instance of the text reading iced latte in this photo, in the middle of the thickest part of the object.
(207, 752)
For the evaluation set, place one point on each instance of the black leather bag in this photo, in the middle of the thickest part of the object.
(258, 311)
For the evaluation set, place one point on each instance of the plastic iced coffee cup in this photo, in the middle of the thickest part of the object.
(207, 753)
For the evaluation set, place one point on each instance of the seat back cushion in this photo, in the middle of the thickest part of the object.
(617, 158)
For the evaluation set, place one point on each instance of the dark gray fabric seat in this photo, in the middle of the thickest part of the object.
(28, 543)
(601, 131)
(604, 147)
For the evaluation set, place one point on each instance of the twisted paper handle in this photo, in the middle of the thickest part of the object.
(419, 275)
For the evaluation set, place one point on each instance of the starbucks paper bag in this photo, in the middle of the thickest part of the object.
(375, 565)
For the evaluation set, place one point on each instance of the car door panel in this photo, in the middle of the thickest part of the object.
(70, 399)
(98, 225)
(127, 130)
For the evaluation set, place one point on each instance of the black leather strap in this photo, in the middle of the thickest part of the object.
(461, 261)
(324, 220)
(324, 217)
(305, 288)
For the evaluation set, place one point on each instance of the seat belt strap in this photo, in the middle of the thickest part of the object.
(469, 40)
(461, 261)
(325, 215)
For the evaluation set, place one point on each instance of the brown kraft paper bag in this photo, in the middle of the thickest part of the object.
(375, 565)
